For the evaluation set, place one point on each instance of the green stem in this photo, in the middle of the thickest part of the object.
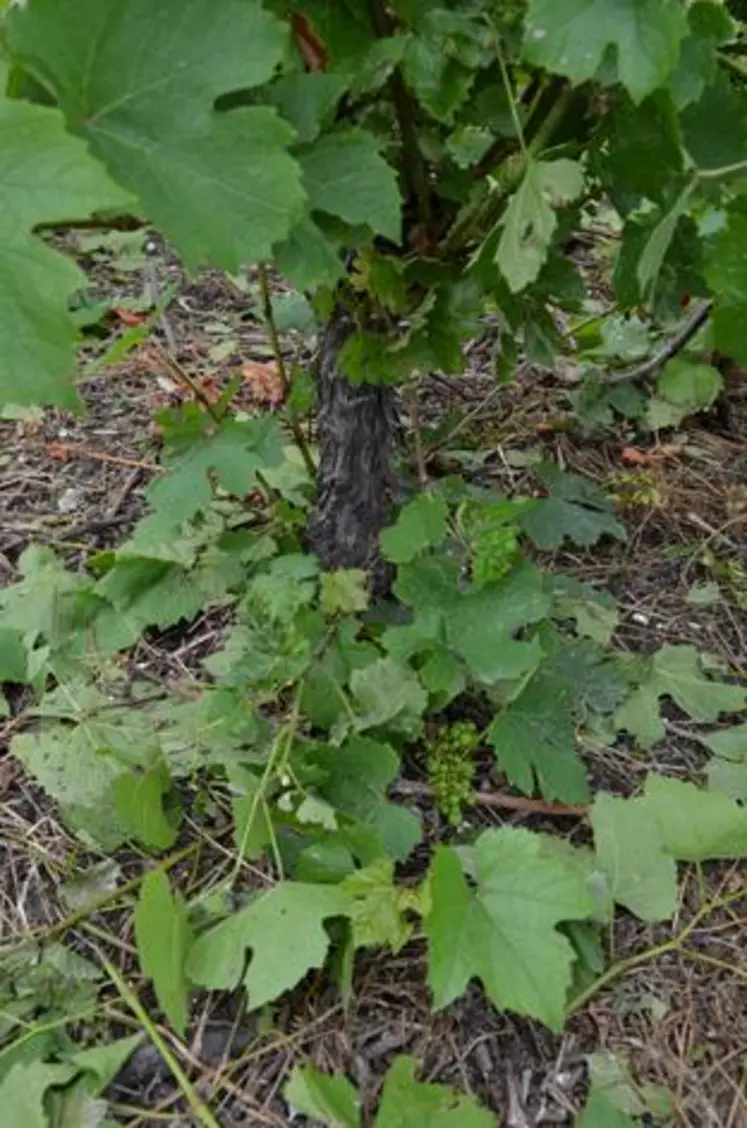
(277, 352)
(676, 944)
(200, 1110)
(734, 63)
(725, 170)
(279, 753)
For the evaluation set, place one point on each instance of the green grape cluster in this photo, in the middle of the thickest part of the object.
(451, 768)
(493, 553)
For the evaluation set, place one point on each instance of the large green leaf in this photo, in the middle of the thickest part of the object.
(530, 221)
(356, 775)
(420, 524)
(575, 509)
(387, 694)
(726, 271)
(638, 841)
(197, 449)
(220, 185)
(481, 625)
(407, 1103)
(676, 672)
(535, 734)
(284, 928)
(22, 1092)
(641, 875)
(330, 1100)
(163, 940)
(345, 175)
(727, 771)
(46, 176)
(505, 931)
(696, 825)
(572, 37)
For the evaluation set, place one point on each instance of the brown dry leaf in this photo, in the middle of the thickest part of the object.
(263, 380)
(632, 456)
(60, 451)
(211, 387)
(127, 317)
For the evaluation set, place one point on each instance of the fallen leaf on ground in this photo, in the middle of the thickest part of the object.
(263, 380)
(127, 317)
(633, 456)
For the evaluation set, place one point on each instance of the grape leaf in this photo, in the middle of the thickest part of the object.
(683, 388)
(220, 185)
(574, 509)
(420, 524)
(345, 175)
(535, 736)
(625, 170)
(196, 449)
(727, 771)
(480, 625)
(714, 128)
(163, 939)
(535, 733)
(306, 100)
(676, 672)
(308, 258)
(600, 1112)
(65, 762)
(13, 664)
(529, 221)
(505, 930)
(376, 907)
(695, 825)
(640, 873)
(330, 1100)
(139, 803)
(284, 928)
(709, 26)
(572, 37)
(638, 841)
(45, 176)
(105, 1061)
(355, 778)
(344, 592)
(23, 1088)
(388, 694)
(726, 273)
(440, 81)
(407, 1103)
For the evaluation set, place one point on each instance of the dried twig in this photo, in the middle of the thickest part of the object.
(498, 799)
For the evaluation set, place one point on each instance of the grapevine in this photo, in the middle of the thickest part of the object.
(389, 196)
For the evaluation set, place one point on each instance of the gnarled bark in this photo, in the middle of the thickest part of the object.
(358, 433)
